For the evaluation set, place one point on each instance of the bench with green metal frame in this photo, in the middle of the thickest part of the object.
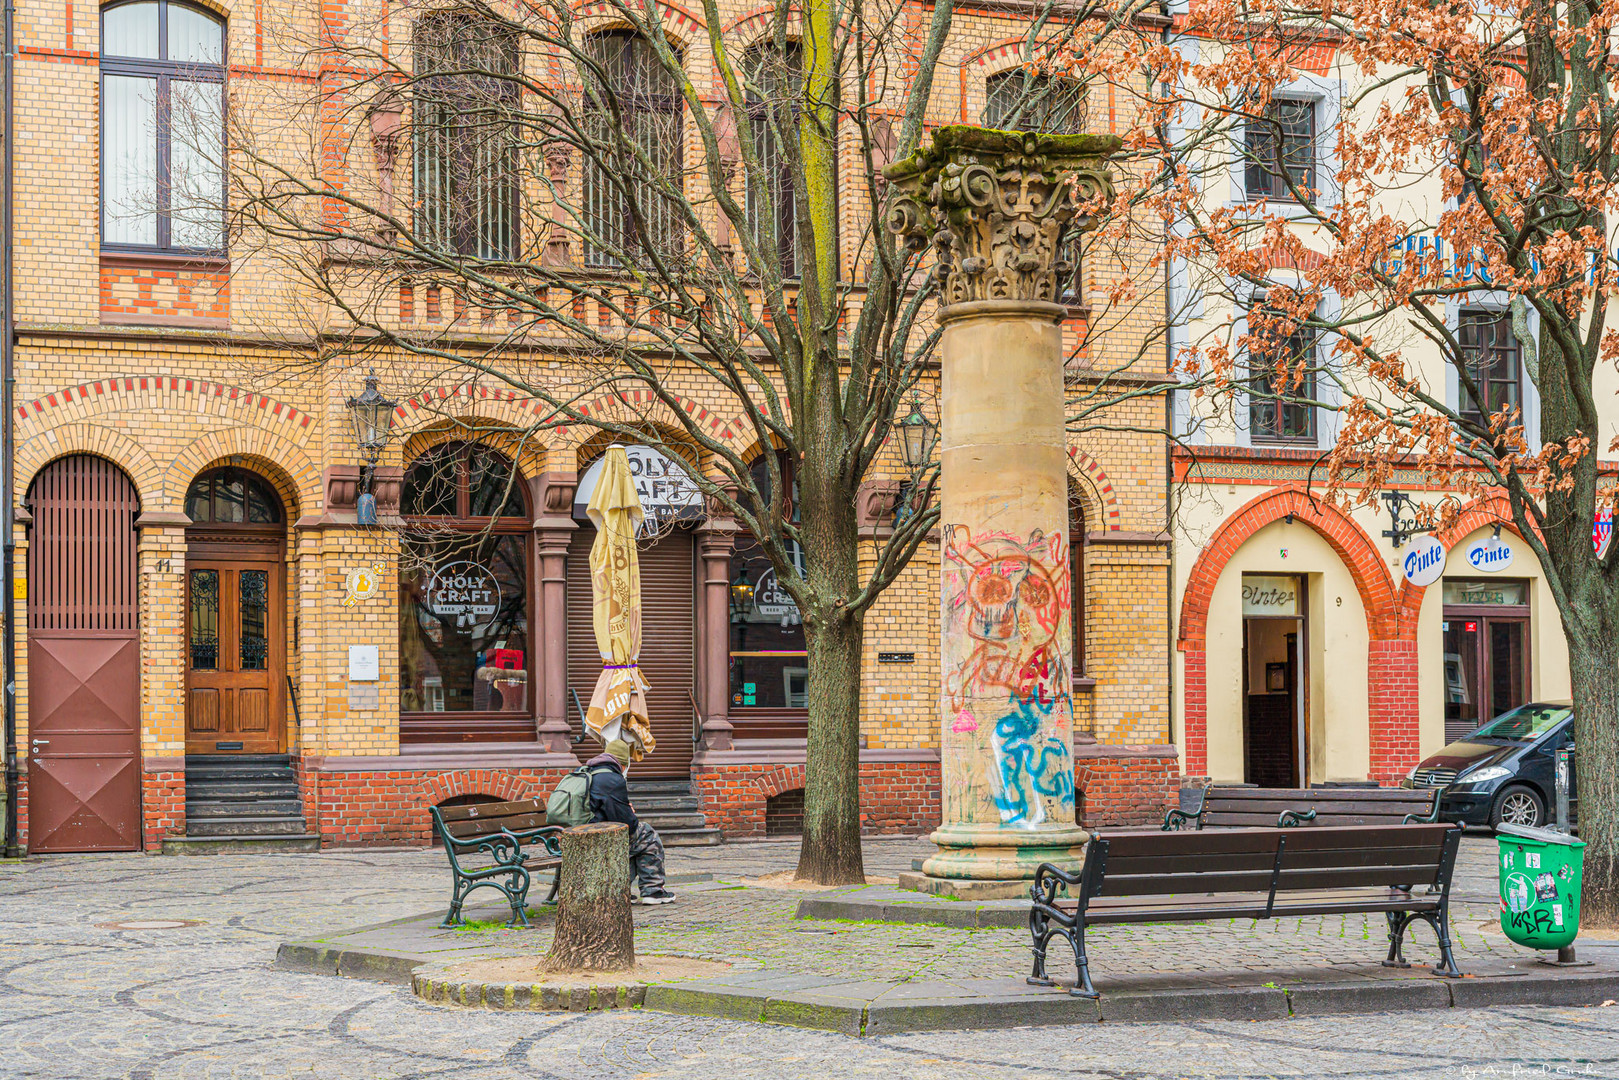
(1192, 876)
(514, 836)
(1227, 806)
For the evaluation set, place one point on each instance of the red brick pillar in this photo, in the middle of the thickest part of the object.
(1392, 700)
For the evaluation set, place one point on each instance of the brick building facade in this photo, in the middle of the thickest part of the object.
(201, 390)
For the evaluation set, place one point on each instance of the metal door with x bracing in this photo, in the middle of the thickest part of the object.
(83, 660)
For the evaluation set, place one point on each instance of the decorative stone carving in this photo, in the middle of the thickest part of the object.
(997, 207)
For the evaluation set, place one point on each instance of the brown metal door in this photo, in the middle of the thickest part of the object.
(233, 657)
(668, 644)
(83, 660)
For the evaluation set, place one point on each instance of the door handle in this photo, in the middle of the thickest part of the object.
(41, 742)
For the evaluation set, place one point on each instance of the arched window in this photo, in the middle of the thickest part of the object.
(162, 127)
(231, 496)
(465, 142)
(464, 638)
(650, 113)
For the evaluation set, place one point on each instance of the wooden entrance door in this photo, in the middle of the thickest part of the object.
(234, 663)
(83, 660)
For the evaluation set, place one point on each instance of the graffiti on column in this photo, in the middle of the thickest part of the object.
(1008, 686)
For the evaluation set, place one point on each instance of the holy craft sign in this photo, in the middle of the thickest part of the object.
(462, 591)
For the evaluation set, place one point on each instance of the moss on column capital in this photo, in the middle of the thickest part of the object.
(999, 207)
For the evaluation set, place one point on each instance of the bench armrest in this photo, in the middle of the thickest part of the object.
(504, 847)
(1289, 818)
(1046, 879)
(549, 837)
(1430, 818)
(1175, 820)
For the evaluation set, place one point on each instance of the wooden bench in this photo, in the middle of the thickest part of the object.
(1149, 877)
(507, 832)
(1229, 807)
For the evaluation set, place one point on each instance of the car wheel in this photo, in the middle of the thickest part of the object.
(1518, 805)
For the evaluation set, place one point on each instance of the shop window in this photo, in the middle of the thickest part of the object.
(464, 639)
(769, 660)
(650, 112)
(162, 128)
(465, 143)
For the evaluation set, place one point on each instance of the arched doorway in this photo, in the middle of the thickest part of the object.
(668, 612)
(83, 659)
(235, 641)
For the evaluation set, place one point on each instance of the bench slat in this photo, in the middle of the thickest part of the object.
(466, 830)
(1264, 860)
(1293, 796)
(488, 810)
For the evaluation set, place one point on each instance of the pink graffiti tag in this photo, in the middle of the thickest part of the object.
(964, 721)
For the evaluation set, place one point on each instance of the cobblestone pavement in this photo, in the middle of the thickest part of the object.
(81, 998)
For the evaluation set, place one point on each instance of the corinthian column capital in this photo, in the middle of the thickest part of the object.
(998, 206)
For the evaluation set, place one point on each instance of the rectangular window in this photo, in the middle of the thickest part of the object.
(1280, 148)
(1493, 360)
(1281, 388)
(466, 149)
(162, 128)
(773, 114)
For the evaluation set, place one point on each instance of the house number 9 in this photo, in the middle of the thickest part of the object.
(1340, 601)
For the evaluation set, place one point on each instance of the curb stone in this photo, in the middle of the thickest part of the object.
(1369, 997)
(435, 988)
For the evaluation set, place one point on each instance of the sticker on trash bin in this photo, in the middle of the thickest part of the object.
(1557, 914)
(1506, 860)
(1517, 894)
(1531, 860)
(1545, 887)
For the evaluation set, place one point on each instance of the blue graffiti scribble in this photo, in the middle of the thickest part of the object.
(1048, 773)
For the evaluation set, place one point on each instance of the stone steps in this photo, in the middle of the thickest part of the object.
(251, 797)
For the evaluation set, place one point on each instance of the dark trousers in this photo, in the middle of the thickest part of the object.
(646, 857)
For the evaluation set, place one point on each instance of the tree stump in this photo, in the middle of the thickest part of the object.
(595, 931)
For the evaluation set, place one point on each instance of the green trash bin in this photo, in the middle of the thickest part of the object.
(1541, 870)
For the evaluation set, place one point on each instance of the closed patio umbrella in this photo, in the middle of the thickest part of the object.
(618, 705)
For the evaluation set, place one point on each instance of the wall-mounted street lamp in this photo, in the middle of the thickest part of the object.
(373, 418)
(741, 593)
(917, 437)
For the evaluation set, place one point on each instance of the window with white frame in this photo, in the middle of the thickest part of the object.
(1281, 380)
(1280, 146)
(1493, 359)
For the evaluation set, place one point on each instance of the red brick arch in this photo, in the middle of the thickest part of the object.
(780, 779)
(1392, 663)
(505, 786)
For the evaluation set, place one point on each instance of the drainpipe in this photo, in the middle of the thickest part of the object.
(8, 341)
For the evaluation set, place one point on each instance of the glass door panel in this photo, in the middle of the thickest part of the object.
(1508, 670)
(1461, 677)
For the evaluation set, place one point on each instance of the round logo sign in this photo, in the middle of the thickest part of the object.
(1489, 555)
(1602, 530)
(463, 592)
(1424, 561)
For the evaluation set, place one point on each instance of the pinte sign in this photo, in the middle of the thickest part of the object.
(1424, 562)
(1489, 555)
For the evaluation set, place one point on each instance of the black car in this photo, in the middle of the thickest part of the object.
(1505, 770)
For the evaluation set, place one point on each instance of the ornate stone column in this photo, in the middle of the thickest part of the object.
(996, 208)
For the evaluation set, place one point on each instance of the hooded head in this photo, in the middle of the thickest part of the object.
(620, 751)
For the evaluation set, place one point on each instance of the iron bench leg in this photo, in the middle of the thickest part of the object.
(1398, 921)
(1040, 931)
(1076, 938)
(458, 895)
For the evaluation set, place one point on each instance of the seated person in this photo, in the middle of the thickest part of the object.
(610, 801)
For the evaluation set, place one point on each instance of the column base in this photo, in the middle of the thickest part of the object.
(1003, 854)
(966, 888)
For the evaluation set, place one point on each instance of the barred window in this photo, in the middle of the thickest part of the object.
(1053, 105)
(774, 76)
(650, 120)
(1023, 101)
(465, 96)
(1281, 387)
(1281, 145)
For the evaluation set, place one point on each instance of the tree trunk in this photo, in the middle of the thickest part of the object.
(830, 851)
(595, 931)
(1594, 674)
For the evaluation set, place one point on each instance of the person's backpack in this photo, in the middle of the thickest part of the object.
(569, 804)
